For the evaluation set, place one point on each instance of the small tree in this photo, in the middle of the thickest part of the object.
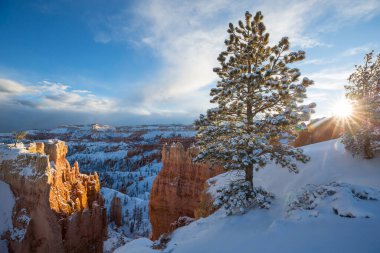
(363, 129)
(18, 136)
(257, 99)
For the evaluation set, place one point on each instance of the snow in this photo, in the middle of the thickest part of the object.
(345, 200)
(6, 207)
(141, 245)
(167, 134)
(334, 186)
(10, 152)
(61, 130)
(129, 203)
(100, 156)
(219, 182)
(114, 240)
(18, 234)
(27, 171)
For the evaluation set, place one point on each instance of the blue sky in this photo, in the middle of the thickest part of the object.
(137, 62)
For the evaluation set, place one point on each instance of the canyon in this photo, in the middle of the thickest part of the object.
(57, 209)
(125, 159)
(140, 181)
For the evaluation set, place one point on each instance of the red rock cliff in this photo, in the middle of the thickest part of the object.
(64, 209)
(177, 188)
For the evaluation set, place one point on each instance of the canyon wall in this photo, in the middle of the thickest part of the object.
(57, 208)
(177, 189)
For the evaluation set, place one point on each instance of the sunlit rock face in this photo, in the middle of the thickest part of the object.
(322, 130)
(177, 188)
(57, 209)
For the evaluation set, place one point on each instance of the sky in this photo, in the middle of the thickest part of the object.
(150, 61)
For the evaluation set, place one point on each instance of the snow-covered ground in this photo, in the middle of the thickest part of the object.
(135, 219)
(332, 205)
(6, 207)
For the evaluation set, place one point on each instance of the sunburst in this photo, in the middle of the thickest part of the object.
(342, 109)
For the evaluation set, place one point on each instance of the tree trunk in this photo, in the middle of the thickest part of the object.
(368, 153)
(249, 103)
(249, 175)
(249, 113)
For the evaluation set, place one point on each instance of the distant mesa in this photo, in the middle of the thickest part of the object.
(102, 128)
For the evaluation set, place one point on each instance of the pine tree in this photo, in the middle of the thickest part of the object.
(257, 99)
(18, 136)
(362, 134)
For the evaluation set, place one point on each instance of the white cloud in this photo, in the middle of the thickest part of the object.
(11, 87)
(331, 78)
(53, 96)
(188, 35)
(319, 96)
(81, 91)
(356, 9)
(359, 50)
(102, 37)
(316, 62)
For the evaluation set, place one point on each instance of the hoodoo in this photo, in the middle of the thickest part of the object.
(57, 208)
(177, 189)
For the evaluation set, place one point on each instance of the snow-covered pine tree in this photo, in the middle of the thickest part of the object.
(362, 135)
(257, 99)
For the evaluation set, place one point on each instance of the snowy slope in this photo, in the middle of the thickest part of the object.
(6, 206)
(306, 215)
(120, 235)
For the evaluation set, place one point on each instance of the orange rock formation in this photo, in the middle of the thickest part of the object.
(177, 188)
(323, 130)
(115, 211)
(64, 208)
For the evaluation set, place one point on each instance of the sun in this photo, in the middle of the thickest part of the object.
(342, 108)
